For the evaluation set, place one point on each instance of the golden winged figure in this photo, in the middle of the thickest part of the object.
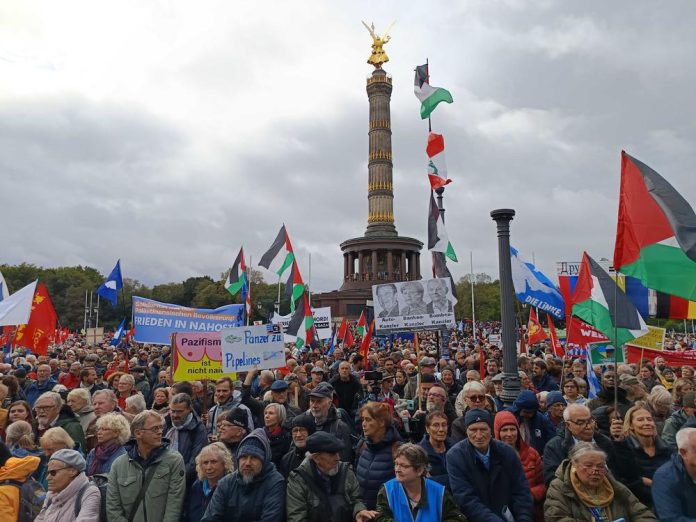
(378, 56)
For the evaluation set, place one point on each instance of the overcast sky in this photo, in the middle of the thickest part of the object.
(170, 133)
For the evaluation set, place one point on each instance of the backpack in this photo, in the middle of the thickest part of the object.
(101, 482)
(31, 498)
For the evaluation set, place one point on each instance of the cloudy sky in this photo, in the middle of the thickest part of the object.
(170, 133)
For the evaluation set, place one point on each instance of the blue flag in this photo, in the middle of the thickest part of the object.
(534, 288)
(594, 386)
(109, 288)
(118, 334)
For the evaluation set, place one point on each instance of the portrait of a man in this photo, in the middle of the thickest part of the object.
(387, 298)
(437, 291)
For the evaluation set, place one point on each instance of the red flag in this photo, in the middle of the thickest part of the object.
(42, 322)
(342, 330)
(365, 345)
(523, 346)
(349, 341)
(535, 333)
(362, 324)
(555, 343)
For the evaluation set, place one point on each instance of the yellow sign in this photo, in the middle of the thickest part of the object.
(654, 339)
(197, 356)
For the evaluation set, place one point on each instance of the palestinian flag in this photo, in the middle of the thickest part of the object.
(556, 345)
(428, 95)
(280, 256)
(598, 301)
(294, 287)
(237, 277)
(301, 323)
(437, 166)
(656, 233)
(440, 269)
(535, 332)
(362, 324)
(437, 235)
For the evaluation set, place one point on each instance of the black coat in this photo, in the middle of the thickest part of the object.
(349, 393)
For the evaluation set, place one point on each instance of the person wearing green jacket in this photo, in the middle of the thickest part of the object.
(678, 420)
(148, 482)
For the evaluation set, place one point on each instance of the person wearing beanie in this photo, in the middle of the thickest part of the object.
(507, 430)
(71, 496)
(486, 476)
(254, 491)
(302, 427)
(535, 429)
(322, 488)
(678, 420)
(555, 404)
(232, 427)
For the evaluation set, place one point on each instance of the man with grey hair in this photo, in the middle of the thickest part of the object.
(103, 402)
(52, 413)
(43, 383)
(674, 483)
(186, 433)
(80, 403)
(148, 481)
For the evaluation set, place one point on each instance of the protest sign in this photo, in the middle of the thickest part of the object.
(197, 356)
(249, 347)
(322, 323)
(427, 304)
(654, 339)
(603, 353)
(155, 322)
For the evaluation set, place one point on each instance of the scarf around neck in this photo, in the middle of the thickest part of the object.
(595, 503)
(101, 455)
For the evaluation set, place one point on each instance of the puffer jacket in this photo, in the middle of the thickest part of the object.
(375, 464)
(60, 507)
(19, 469)
(165, 494)
(302, 500)
(263, 499)
(563, 504)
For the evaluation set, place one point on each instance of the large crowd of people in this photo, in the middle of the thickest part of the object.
(415, 431)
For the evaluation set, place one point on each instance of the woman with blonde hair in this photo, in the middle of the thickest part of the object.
(680, 388)
(20, 441)
(53, 439)
(585, 490)
(212, 463)
(649, 450)
(113, 431)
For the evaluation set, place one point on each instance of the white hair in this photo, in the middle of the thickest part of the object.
(476, 386)
(81, 393)
(683, 436)
(574, 408)
(137, 402)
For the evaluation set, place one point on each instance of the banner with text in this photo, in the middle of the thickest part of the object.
(672, 359)
(155, 322)
(414, 305)
(197, 356)
(322, 322)
(654, 339)
(252, 346)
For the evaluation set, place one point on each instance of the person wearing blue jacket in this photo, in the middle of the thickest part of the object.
(674, 483)
(255, 491)
(436, 443)
(43, 383)
(486, 475)
(535, 429)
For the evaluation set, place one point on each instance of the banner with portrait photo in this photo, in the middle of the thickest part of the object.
(426, 304)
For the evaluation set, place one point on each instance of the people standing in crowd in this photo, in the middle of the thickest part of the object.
(19, 410)
(254, 491)
(584, 490)
(187, 434)
(348, 389)
(113, 431)
(542, 381)
(212, 464)
(149, 478)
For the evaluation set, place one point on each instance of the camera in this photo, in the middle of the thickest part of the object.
(373, 376)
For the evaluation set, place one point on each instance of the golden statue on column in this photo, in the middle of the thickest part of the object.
(378, 56)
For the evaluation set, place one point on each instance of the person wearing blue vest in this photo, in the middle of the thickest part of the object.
(411, 497)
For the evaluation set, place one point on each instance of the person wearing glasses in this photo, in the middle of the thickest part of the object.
(113, 431)
(71, 496)
(580, 427)
(583, 489)
(148, 482)
(473, 395)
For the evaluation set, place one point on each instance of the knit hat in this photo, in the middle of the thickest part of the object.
(477, 415)
(526, 400)
(70, 458)
(304, 421)
(502, 419)
(253, 446)
(238, 417)
(553, 398)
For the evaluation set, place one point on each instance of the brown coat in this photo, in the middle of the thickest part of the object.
(563, 505)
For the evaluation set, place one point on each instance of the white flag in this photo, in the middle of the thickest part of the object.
(16, 309)
(4, 291)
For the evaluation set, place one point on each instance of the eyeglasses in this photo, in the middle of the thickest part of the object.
(600, 470)
(582, 423)
(154, 429)
(402, 466)
(438, 396)
(44, 408)
(477, 398)
(54, 472)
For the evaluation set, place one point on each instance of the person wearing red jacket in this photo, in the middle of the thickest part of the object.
(507, 430)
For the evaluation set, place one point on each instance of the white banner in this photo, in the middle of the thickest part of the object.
(246, 347)
(322, 322)
(416, 305)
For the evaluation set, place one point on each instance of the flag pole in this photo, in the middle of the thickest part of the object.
(616, 347)
(278, 302)
(248, 296)
(309, 282)
(473, 313)
(427, 79)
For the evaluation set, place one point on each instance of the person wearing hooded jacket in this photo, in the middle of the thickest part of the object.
(255, 491)
(14, 469)
(535, 429)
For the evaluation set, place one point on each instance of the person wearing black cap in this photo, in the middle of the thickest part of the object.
(324, 489)
(302, 427)
(232, 427)
(486, 476)
(255, 491)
